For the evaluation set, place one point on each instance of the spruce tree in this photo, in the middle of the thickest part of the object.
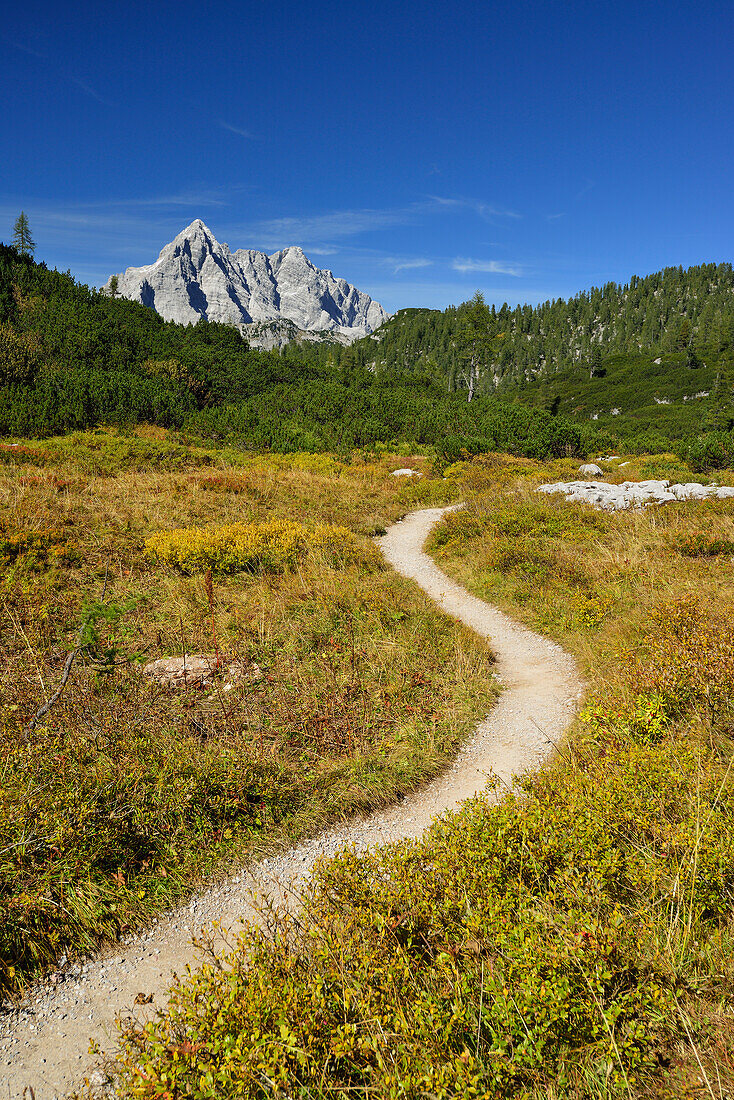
(22, 239)
(595, 367)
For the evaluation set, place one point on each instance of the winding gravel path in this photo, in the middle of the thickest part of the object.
(45, 1043)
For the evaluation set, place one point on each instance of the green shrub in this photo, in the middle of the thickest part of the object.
(712, 451)
(516, 948)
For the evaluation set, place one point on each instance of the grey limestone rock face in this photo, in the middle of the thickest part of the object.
(281, 331)
(197, 277)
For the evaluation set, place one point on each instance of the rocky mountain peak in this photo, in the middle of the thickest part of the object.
(195, 276)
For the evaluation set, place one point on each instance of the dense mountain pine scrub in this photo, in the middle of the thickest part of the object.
(640, 366)
(645, 363)
(71, 358)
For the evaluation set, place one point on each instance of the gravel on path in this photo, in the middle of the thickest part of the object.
(44, 1043)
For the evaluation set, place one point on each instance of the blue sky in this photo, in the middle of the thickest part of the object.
(420, 150)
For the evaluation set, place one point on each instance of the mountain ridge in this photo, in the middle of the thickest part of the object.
(197, 277)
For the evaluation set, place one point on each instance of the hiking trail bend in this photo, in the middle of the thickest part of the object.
(44, 1043)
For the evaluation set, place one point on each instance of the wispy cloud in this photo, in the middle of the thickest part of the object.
(194, 199)
(325, 251)
(484, 209)
(236, 130)
(349, 223)
(26, 49)
(489, 213)
(588, 185)
(337, 223)
(554, 217)
(486, 267)
(410, 265)
(89, 90)
(82, 85)
(116, 235)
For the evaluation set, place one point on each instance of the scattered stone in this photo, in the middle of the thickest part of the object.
(196, 669)
(591, 470)
(407, 472)
(634, 494)
(98, 1078)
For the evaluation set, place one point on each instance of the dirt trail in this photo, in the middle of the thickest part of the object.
(45, 1043)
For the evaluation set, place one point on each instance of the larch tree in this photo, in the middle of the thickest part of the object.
(22, 239)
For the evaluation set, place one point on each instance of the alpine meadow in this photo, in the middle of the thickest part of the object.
(367, 582)
(170, 490)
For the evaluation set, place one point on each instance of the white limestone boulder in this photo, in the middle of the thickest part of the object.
(197, 670)
(634, 494)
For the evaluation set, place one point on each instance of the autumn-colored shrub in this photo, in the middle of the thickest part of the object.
(266, 547)
(34, 549)
(523, 949)
(701, 544)
(324, 464)
(12, 453)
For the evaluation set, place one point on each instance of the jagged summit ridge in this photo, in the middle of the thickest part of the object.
(195, 276)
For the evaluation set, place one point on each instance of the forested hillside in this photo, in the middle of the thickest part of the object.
(672, 310)
(73, 358)
(653, 355)
(642, 366)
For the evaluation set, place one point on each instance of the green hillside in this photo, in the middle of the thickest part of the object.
(644, 392)
(594, 356)
(72, 358)
(644, 367)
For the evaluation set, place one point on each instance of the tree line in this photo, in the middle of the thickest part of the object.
(672, 310)
(72, 357)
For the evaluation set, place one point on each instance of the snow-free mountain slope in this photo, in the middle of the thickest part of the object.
(195, 276)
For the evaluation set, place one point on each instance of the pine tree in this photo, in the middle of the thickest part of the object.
(684, 335)
(595, 367)
(22, 239)
(720, 414)
(475, 338)
(113, 286)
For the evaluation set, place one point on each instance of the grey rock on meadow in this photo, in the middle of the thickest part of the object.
(634, 494)
(197, 277)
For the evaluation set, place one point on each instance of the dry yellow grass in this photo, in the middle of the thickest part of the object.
(126, 794)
